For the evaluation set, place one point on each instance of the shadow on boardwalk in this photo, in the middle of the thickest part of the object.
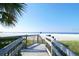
(35, 50)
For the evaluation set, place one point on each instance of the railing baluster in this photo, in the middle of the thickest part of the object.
(12, 48)
(57, 48)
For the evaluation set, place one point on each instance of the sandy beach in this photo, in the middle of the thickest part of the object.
(66, 36)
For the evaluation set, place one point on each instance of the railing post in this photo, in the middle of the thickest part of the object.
(37, 39)
(12, 48)
(26, 42)
(33, 40)
(18, 53)
(41, 39)
(51, 48)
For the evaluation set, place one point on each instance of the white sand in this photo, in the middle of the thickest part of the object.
(66, 36)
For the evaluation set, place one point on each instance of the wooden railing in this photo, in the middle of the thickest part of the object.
(56, 48)
(12, 48)
(53, 47)
(62, 49)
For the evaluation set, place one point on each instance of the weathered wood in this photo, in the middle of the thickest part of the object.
(13, 53)
(57, 47)
(55, 51)
(26, 42)
(64, 49)
(35, 50)
(11, 47)
(48, 45)
(37, 38)
(52, 46)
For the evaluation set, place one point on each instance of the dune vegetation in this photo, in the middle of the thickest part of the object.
(73, 45)
(6, 40)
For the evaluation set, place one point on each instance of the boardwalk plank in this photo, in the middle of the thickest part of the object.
(35, 50)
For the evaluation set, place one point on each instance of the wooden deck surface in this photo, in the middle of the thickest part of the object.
(35, 50)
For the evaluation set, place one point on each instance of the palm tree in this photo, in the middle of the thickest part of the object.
(9, 13)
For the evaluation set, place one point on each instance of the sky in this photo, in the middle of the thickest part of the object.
(50, 17)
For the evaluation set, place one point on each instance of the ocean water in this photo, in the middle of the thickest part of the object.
(69, 36)
(11, 34)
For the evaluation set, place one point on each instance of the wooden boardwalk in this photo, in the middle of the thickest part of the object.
(35, 50)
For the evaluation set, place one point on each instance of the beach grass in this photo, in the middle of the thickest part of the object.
(28, 42)
(73, 45)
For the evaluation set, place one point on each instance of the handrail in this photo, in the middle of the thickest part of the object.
(48, 44)
(16, 50)
(52, 46)
(57, 46)
(56, 51)
(64, 49)
(10, 46)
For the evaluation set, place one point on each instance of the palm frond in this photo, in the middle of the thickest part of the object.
(7, 19)
(10, 12)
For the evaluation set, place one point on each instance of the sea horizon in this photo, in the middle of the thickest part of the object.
(57, 35)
